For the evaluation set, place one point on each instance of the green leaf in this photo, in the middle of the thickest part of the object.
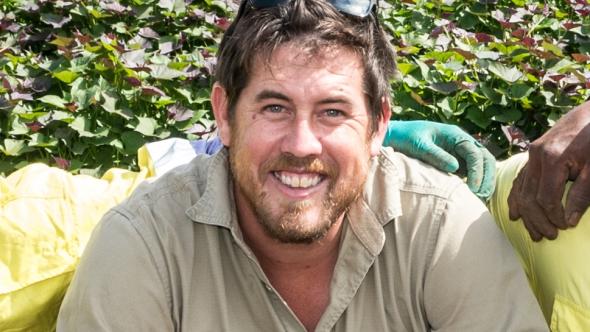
(83, 93)
(519, 90)
(146, 126)
(18, 127)
(406, 68)
(13, 147)
(83, 126)
(40, 140)
(509, 115)
(54, 101)
(444, 87)
(132, 141)
(479, 118)
(508, 74)
(162, 72)
(552, 48)
(66, 76)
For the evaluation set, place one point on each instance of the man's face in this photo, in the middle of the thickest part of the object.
(300, 142)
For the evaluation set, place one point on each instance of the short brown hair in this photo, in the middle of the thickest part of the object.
(314, 24)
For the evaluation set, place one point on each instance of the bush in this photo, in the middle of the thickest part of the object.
(85, 83)
(502, 70)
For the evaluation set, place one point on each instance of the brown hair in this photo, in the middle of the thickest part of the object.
(314, 24)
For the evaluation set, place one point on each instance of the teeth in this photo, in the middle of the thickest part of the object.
(298, 181)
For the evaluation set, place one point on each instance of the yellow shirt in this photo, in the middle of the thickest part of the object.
(558, 270)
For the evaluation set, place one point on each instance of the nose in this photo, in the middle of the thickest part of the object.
(301, 140)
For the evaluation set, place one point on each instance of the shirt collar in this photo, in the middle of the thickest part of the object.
(379, 204)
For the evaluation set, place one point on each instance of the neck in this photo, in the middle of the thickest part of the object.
(301, 273)
(275, 255)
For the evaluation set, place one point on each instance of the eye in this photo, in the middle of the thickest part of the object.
(274, 108)
(333, 113)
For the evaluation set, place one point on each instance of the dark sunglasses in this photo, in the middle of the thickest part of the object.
(358, 8)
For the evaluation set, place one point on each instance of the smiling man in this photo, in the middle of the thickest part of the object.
(303, 222)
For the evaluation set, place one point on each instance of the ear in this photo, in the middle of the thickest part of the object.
(220, 106)
(379, 134)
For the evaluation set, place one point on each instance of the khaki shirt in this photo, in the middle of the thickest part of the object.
(419, 253)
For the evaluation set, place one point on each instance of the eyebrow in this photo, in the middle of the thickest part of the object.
(270, 94)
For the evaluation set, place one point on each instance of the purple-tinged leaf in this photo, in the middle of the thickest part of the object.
(516, 137)
(519, 33)
(114, 7)
(148, 33)
(29, 7)
(223, 23)
(82, 38)
(466, 54)
(199, 129)
(471, 86)
(199, 13)
(152, 91)
(56, 21)
(9, 26)
(62, 163)
(179, 112)
(571, 25)
(210, 18)
(483, 37)
(134, 58)
(529, 42)
(209, 66)
(71, 106)
(35, 126)
(581, 58)
(21, 96)
(133, 81)
(166, 47)
(6, 84)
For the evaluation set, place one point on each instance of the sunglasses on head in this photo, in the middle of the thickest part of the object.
(358, 8)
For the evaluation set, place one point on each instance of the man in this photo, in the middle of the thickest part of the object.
(303, 222)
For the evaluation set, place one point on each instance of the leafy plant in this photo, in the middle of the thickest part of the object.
(87, 82)
(499, 69)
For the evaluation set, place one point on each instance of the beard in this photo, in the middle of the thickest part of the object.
(302, 221)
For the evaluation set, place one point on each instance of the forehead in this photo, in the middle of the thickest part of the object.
(309, 66)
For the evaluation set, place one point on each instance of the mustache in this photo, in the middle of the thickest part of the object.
(308, 164)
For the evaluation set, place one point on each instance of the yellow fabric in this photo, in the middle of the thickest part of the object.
(558, 270)
(46, 217)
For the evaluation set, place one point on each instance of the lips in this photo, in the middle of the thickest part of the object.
(298, 180)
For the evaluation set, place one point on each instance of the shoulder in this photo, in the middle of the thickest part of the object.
(396, 185)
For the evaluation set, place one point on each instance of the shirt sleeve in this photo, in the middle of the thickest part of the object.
(117, 286)
(474, 281)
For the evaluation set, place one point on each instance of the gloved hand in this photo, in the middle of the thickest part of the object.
(441, 145)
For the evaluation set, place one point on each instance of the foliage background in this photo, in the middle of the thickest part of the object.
(87, 82)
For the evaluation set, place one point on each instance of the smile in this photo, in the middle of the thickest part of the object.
(295, 180)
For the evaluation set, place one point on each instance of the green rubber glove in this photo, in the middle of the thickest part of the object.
(444, 147)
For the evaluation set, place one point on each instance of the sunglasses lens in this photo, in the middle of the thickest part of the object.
(360, 8)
